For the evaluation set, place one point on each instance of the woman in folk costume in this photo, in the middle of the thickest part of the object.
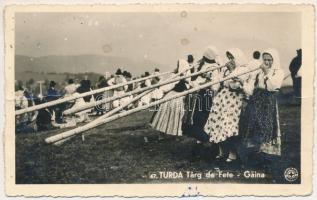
(82, 116)
(127, 88)
(146, 99)
(261, 132)
(168, 117)
(24, 100)
(157, 92)
(223, 121)
(198, 104)
(118, 79)
(103, 83)
(108, 93)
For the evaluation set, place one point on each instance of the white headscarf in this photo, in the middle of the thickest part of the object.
(239, 57)
(240, 62)
(182, 65)
(211, 53)
(276, 58)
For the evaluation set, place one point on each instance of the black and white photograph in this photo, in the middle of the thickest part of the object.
(159, 96)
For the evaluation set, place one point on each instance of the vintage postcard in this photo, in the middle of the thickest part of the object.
(159, 100)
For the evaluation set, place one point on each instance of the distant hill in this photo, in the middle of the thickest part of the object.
(82, 63)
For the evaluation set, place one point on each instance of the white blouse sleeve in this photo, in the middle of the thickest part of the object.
(274, 80)
(236, 84)
(248, 86)
(166, 88)
(110, 81)
(148, 82)
(215, 77)
(197, 82)
(125, 86)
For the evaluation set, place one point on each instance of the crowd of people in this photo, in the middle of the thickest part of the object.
(238, 114)
(53, 117)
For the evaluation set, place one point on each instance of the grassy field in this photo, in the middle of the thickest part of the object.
(128, 151)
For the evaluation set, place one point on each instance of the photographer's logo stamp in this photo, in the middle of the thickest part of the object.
(291, 174)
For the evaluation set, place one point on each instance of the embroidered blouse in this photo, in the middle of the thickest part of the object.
(271, 81)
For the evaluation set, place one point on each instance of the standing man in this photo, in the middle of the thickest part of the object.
(52, 94)
(294, 67)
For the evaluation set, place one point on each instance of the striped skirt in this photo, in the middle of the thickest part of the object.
(168, 117)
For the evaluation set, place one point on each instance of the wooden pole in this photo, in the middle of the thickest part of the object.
(102, 120)
(96, 103)
(70, 98)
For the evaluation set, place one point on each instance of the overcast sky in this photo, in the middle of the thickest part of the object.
(161, 37)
